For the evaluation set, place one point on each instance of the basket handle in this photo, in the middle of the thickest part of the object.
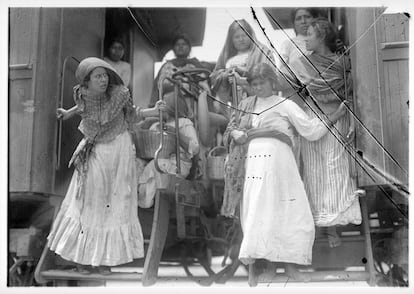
(216, 148)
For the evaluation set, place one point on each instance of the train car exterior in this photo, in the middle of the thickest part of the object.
(46, 45)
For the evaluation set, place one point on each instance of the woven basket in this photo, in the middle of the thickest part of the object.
(215, 163)
(148, 141)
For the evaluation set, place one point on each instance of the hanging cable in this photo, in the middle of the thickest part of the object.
(300, 93)
(141, 28)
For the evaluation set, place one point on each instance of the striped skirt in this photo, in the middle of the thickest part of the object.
(327, 178)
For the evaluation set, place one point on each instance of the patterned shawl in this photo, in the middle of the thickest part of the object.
(255, 56)
(332, 71)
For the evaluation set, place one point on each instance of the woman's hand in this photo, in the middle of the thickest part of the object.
(169, 129)
(160, 105)
(350, 136)
(62, 114)
(342, 109)
(204, 85)
(340, 112)
(240, 137)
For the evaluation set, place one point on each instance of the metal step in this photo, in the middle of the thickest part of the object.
(72, 275)
(322, 276)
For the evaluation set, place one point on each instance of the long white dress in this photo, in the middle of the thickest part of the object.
(276, 218)
(97, 223)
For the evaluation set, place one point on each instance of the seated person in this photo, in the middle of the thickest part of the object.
(189, 147)
(182, 48)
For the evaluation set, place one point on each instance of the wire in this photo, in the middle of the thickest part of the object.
(333, 90)
(333, 127)
(141, 28)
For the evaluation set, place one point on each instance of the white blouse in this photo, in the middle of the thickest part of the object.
(285, 115)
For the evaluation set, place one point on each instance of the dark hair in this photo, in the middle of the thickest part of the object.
(235, 25)
(181, 36)
(111, 42)
(327, 31)
(116, 40)
(262, 71)
(314, 12)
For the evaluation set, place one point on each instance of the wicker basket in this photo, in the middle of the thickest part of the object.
(215, 163)
(148, 141)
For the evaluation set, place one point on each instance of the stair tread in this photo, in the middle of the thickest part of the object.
(55, 274)
(323, 275)
(343, 238)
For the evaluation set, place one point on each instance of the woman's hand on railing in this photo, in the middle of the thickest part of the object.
(350, 136)
(340, 112)
(239, 79)
(64, 114)
(160, 105)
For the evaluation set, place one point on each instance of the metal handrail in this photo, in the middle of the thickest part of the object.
(177, 130)
(235, 95)
(157, 152)
(176, 80)
(60, 124)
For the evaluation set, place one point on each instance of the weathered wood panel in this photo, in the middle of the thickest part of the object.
(82, 35)
(40, 39)
(24, 25)
(380, 74)
(392, 31)
(45, 93)
(366, 87)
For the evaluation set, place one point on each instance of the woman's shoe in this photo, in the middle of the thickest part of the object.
(82, 269)
(104, 270)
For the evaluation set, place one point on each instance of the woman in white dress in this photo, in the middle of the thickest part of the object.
(261, 175)
(97, 224)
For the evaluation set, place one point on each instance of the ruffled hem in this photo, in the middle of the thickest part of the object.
(98, 245)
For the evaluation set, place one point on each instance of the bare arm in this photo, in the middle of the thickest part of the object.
(64, 114)
(208, 121)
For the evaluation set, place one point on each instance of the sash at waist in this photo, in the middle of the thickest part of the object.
(267, 133)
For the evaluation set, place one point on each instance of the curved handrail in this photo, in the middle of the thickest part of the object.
(157, 152)
(60, 123)
(176, 79)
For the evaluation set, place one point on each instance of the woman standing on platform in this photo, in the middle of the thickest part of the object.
(97, 224)
(327, 175)
(261, 175)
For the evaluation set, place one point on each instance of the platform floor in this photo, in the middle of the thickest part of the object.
(173, 275)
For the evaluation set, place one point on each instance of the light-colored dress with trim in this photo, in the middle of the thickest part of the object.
(275, 214)
(97, 223)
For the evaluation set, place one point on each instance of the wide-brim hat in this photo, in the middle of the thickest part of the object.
(90, 63)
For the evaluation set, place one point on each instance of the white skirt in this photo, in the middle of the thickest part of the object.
(101, 227)
(276, 217)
